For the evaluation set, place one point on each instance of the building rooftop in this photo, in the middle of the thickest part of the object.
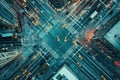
(65, 74)
(113, 36)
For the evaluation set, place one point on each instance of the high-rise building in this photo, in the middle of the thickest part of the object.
(58, 5)
(108, 37)
(65, 73)
(10, 32)
(6, 57)
(7, 13)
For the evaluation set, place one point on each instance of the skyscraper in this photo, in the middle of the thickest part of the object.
(10, 33)
(58, 5)
(108, 37)
(6, 57)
